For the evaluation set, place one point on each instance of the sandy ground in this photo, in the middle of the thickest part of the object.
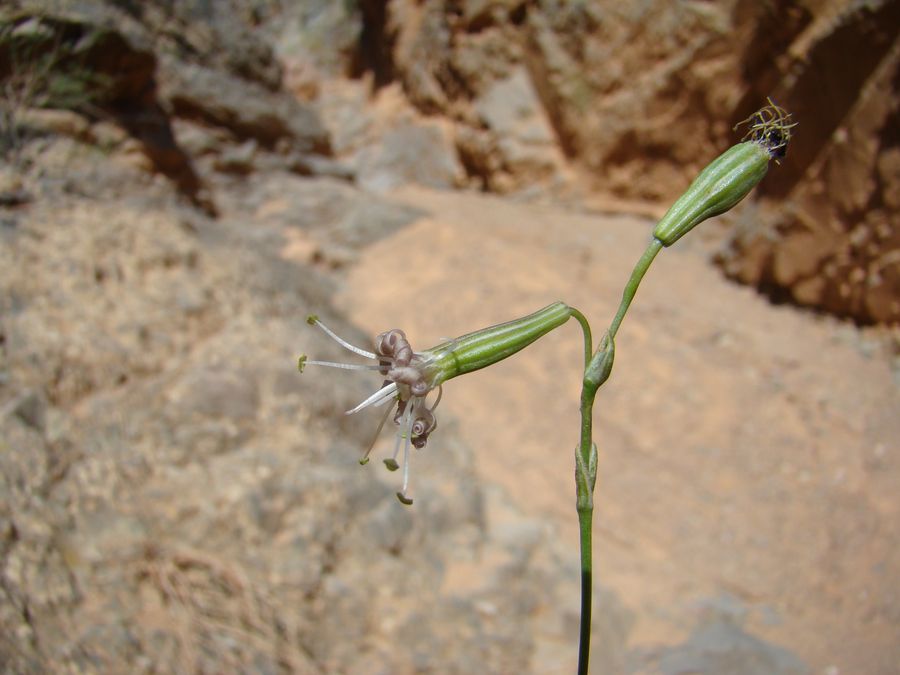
(748, 452)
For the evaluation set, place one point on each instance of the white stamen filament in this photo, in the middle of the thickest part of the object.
(440, 393)
(345, 366)
(343, 343)
(377, 433)
(389, 399)
(397, 441)
(407, 424)
(380, 396)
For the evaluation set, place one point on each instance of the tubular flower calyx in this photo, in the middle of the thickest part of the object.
(410, 377)
(731, 176)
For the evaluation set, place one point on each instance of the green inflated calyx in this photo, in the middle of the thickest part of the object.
(486, 347)
(731, 176)
(721, 185)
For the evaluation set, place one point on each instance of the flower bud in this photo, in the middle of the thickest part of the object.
(729, 177)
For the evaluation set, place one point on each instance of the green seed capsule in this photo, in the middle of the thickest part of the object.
(730, 177)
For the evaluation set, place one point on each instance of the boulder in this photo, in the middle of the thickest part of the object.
(409, 153)
(65, 62)
(246, 109)
(512, 112)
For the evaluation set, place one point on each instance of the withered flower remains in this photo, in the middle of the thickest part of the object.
(410, 377)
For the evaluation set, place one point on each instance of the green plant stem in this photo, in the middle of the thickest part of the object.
(596, 372)
(585, 519)
(586, 330)
(631, 287)
(585, 476)
(721, 185)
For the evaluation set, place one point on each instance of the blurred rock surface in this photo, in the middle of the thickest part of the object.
(174, 496)
(640, 96)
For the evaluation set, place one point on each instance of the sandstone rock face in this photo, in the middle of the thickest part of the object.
(828, 234)
(643, 95)
(417, 153)
(637, 96)
(147, 64)
(65, 61)
(521, 143)
(246, 109)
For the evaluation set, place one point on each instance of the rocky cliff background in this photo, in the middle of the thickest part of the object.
(182, 182)
(639, 96)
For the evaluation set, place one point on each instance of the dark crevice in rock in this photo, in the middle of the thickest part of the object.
(99, 73)
(829, 83)
(376, 43)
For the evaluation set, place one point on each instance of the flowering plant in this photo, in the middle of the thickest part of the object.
(410, 377)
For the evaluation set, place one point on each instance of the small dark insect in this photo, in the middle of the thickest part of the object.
(770, 127)
(776, 140)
